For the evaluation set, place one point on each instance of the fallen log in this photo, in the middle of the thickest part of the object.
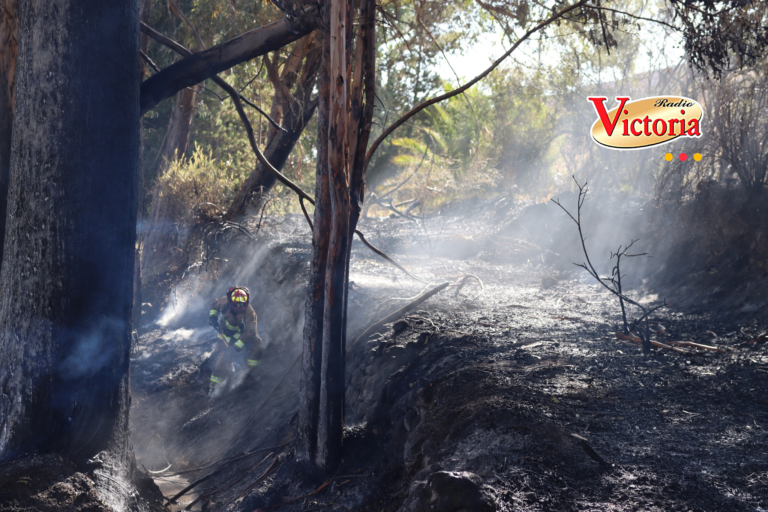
(400, 312)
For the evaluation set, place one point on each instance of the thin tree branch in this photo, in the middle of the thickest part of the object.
(149, 61)
(458, 82)
(469, 84)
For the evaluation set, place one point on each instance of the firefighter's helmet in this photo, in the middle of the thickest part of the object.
(239, 297)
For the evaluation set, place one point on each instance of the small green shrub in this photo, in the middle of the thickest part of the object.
(190, 182)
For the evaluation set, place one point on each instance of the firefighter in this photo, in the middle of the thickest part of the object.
(235, 320)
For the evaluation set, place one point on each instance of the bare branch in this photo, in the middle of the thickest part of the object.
(615, 278)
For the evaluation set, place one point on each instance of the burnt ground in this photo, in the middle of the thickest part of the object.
(520, 398)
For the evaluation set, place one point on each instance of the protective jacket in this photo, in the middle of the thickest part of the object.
(239, 327)
(237, 330)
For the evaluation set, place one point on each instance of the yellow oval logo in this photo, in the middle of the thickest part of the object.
(645, 122)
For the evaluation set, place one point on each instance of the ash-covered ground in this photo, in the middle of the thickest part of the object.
(513, 395)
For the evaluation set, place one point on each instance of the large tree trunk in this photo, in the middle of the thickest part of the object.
(9, 10)
(331, 422)
(66, 280)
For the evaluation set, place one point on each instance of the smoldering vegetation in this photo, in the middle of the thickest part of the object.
(514, 395)
(517, 386)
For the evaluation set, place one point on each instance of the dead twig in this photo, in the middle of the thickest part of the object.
(263, 477)
(697, 345)
(460, 284)
(294, 500)
(631, 337)
(615, 279)
(224, 488)
(397, 314)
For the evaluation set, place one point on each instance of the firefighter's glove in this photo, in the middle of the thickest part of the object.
(214, 321)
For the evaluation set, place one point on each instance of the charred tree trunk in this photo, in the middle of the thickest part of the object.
(344, 119)
(331, 407)
(295, 109)
(66, 280)
(309, 404)
(9, 11)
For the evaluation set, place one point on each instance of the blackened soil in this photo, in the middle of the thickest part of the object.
(521, 398)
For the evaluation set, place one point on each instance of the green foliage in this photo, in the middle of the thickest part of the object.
(200, 178)
(522, 131)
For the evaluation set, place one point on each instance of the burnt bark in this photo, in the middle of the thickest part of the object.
(309, 401)
(66, 280)
(344, 117)
(9, 11)
(331, 406)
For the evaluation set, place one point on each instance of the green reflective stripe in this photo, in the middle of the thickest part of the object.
(237, 335)
(214, 312)
(253, 362)
(216, 379)
(239, 344)
(224, 339)
(230, 326)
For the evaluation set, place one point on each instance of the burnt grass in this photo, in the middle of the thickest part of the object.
(522, 393)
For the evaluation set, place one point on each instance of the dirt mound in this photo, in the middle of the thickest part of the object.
(52, 484)
(715, 250)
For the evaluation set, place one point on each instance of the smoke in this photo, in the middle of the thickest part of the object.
(93, 350)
